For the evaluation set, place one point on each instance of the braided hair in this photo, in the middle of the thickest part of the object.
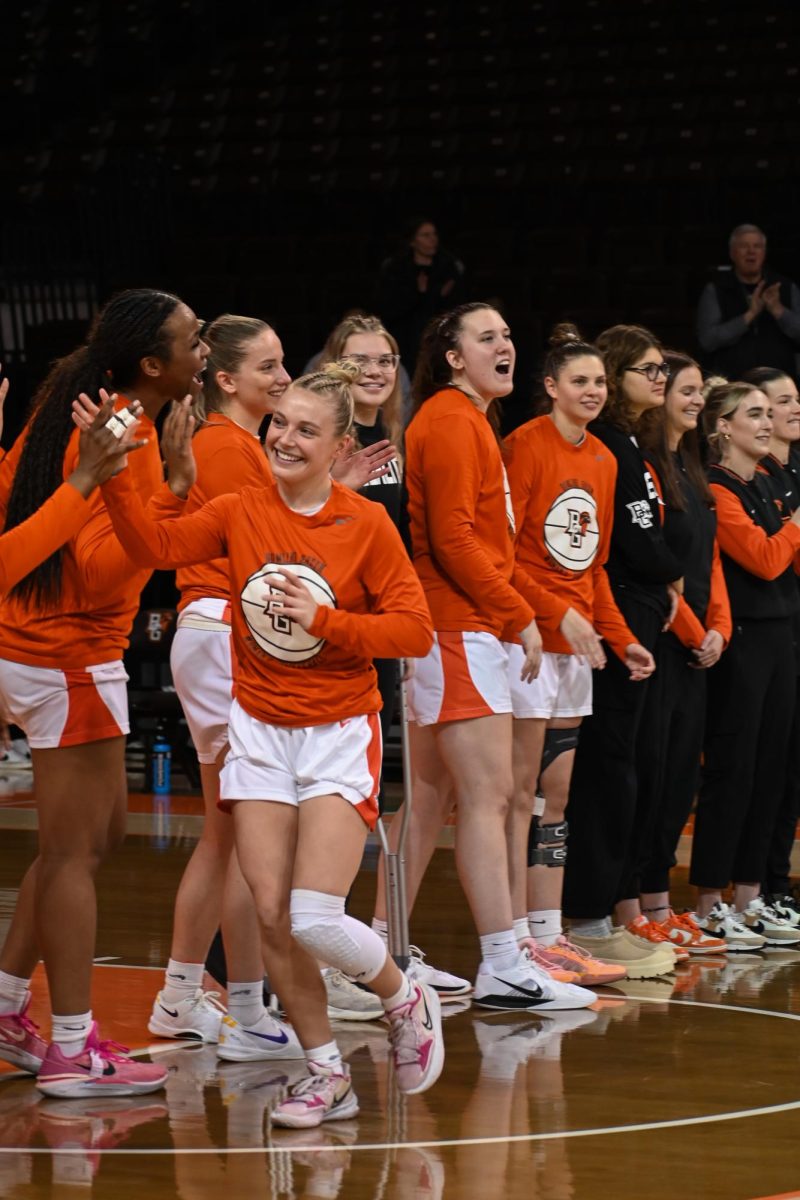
(129, 328)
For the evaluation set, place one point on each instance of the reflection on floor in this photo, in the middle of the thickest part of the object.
(682, 1086)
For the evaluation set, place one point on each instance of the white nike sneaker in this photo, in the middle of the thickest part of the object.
(448, 987)
(196, 1019)
(268, 1038)
(525, 987)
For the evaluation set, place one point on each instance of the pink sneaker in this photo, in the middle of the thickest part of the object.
(323, 1095)
(417, 1043)
(102, 1068)
(20, 1043)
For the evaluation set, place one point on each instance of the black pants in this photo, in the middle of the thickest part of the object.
(751, 695)
(603, 793)
(668, 766)
(779, 859)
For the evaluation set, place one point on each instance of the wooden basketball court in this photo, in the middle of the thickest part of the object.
(687, 1086)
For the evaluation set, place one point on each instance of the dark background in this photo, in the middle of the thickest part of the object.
(584, 159)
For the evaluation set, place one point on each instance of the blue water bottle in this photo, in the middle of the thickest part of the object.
(162, 763)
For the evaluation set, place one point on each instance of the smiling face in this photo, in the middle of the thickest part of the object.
(302, 442)
(580, 391)
(483, 361)
(179, 374)
(378, 375)
(640, 393)
(260, 379)
(747, 431)
(785, 405)
(683, 404)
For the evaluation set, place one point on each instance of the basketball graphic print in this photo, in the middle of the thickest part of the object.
(571, 532)
(271, 630)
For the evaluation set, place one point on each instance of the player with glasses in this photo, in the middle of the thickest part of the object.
(652, 370)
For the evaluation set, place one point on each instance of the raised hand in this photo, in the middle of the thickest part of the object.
(176, 447)
(365, 465)
(104, 442)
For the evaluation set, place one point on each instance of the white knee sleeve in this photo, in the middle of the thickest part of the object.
(321, 926)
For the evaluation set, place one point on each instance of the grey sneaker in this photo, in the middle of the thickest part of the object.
(346, 1001)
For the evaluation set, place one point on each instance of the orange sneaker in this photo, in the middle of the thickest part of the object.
(649, 931)
(682, 930)
(591, 971)
(555, 970)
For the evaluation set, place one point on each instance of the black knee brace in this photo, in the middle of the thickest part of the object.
(557, 741)
(547, 844)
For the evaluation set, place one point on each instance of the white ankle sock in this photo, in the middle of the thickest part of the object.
(591, 926)
(182, 980)
(246, 1001)
(13, 992)
(70, 1032)
(521, 928)
(546, 925)
(382, 929)
(499, 951)
(327, 1056)
(402, 996)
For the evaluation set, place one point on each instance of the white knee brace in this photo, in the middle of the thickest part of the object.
(321, 926)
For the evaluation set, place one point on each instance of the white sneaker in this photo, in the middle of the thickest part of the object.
(777, 930)
(723, 922)
(268, 1038)
(197, 1017)
(448, 987)
(346, 1001)
(526, 987)
(13, 759)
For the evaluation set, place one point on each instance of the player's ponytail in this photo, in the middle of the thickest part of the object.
(130, 327)
(229, 337)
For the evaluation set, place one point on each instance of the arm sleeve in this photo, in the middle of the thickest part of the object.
(103, 559)
(27, 545)
(718, 615)
(686, 627)
(789, 320)
(167, 543)
(637, 530)
(452, 481)
(765, 555)
(712, 332)
(399, 624)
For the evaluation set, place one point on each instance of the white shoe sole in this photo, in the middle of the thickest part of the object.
(189, 1033)
(352, 1014)
(72, 1089)
(20, 1059)
(308, 1120)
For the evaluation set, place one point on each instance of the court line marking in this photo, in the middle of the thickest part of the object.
(603, 1131)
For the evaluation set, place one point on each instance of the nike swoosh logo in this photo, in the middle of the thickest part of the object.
(279, 1039)
(169, 1011)
(14, 1035)
(535, 993)
(427, 1023)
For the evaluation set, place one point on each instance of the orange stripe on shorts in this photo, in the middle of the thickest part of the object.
(460, 697)
(88, 716)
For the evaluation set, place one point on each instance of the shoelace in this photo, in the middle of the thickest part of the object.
(28, 1025)
(313, 1083)
(108, 1051)
(571, 949)
(650, 931)
(208, 998)
(403, 1034)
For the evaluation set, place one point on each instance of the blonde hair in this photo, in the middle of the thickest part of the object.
(333, 382)
(228, 338)
(333, 351)
(722, 401)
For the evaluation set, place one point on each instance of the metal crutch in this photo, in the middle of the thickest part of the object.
(394, 861)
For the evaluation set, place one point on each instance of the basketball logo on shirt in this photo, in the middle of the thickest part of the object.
(571, 532)
(272, 630)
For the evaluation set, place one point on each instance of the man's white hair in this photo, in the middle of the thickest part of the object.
(742, 230)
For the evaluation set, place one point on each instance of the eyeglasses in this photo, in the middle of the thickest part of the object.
(651, 371)
(386, 362)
